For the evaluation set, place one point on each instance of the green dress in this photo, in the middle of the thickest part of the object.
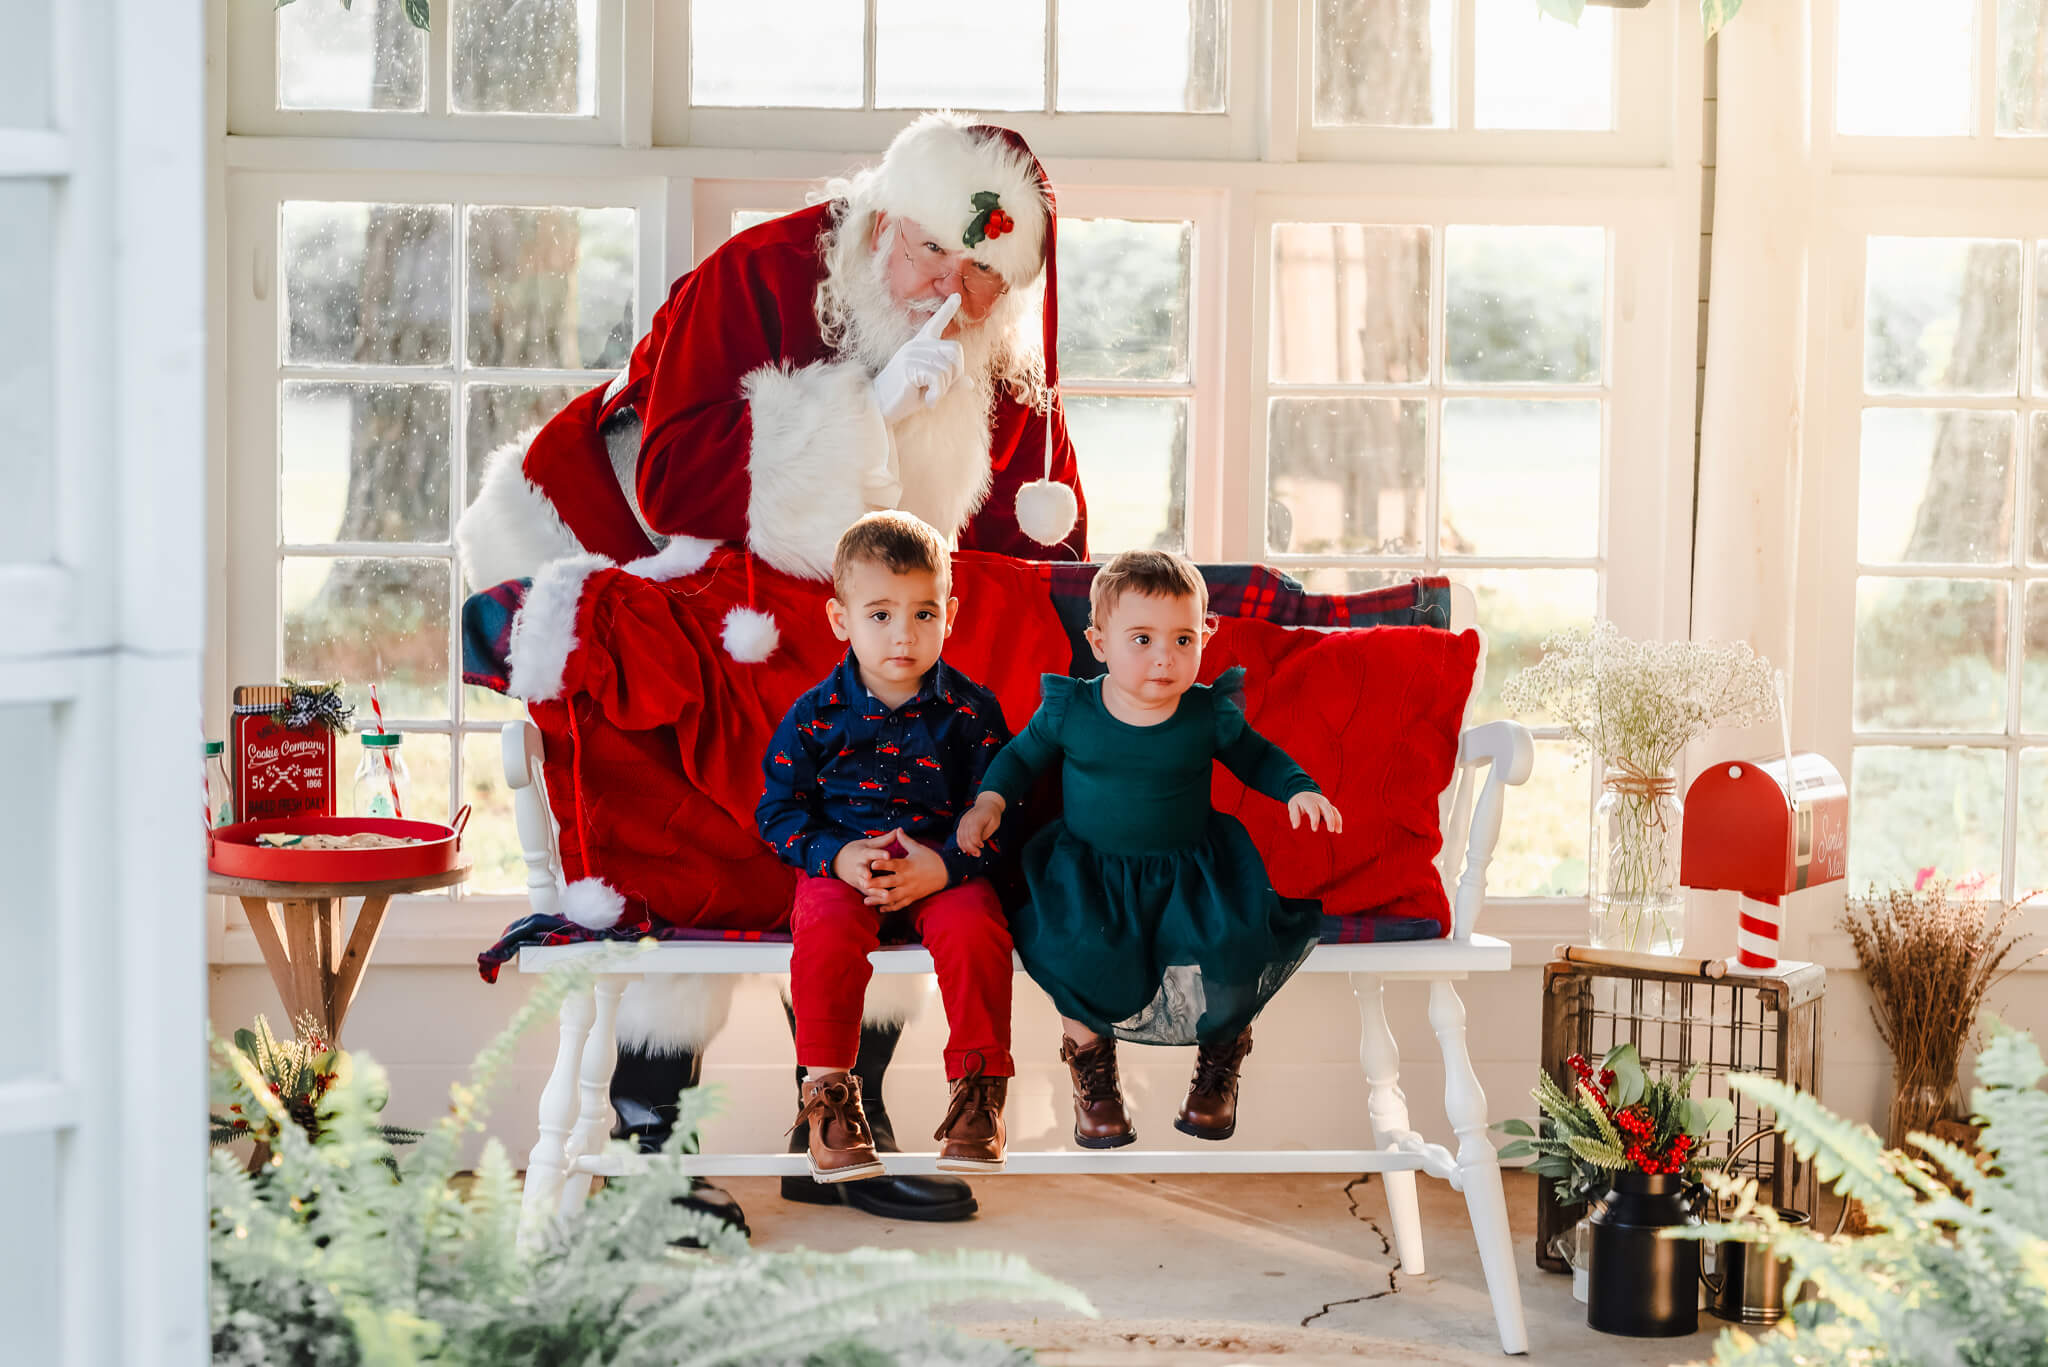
(1150, 914)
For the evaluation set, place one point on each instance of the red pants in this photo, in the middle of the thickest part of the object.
(969, 940)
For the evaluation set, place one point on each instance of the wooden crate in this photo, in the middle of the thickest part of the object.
(1749, 1021)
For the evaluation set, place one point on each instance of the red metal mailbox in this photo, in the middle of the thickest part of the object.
(1765, 828)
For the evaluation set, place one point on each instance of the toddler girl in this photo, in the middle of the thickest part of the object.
(1150, 916)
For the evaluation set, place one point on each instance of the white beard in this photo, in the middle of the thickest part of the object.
(942, 452)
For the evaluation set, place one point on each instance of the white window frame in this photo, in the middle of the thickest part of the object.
(1913, 207)
(1981, 151)
(1650, 45)
(1651, 211)
(106, 632)
(253, 645)
(252, 74)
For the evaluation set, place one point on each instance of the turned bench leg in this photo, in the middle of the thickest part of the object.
(1387, 1107)
(1478, 1170)
(546, 1166)
(593, 1080)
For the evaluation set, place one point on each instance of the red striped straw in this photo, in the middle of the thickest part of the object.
(384, 756)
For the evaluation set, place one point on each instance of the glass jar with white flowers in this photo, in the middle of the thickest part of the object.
(1634, 706)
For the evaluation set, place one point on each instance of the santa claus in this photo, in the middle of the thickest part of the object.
(891, 346)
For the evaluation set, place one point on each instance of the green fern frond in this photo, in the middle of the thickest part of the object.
(1603, 1156)
(1847, 1156)
(1608, 1134)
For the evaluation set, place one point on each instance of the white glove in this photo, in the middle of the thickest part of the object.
(923, 370)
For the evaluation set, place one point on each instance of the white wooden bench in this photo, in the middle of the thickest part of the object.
(575, 1107)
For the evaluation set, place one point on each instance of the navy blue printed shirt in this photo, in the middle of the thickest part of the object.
(843, 767)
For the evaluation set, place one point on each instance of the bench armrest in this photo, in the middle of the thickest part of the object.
(1507, 754)
(520, 749)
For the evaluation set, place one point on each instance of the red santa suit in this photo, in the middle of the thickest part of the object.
(753, 430)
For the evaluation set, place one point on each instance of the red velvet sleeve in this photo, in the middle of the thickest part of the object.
(696, 436)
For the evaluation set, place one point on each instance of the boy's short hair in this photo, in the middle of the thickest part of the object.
(1158, 574)
(901, 543)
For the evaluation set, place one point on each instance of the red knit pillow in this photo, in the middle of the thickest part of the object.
(1374, 717)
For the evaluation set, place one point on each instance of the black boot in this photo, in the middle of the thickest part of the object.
(891, 1197)
(645, 1090)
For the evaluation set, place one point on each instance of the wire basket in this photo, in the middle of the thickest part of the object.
(1764, 1021)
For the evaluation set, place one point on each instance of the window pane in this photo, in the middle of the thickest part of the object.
(1941, 316)
(1385, 62)
(2037, 477)
(1904, 67)
(1346, 476)
(1542, 851)
(1123, 299)
(505, 414)
(31, 1253)
(1524, 305)
(2023, 77)
(1936, 487)
(363, 56)
(551, 287)
(1520, 477)
(743, 219)
(525, 57)
(492, 838)
(28, 737)
(1134, 465)
(778, 53)
(1350, 304)
(1341, 579)
(2031, 872)
(2034, 669)
(1533, 71)
(1518, 609)
(1164, 55)
(1930, 655)
(26, 65)
(370, 284)
(943, 53)
(27, 377)
(371, 621)
(364, 462)
(1912, 809)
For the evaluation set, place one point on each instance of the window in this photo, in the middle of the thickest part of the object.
(1350, 286)
(1949, 696)
(412, 339)
(1941, 85)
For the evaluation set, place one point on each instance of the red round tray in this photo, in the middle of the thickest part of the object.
(233, 851)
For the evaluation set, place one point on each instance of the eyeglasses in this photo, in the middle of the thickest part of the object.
(980, 285)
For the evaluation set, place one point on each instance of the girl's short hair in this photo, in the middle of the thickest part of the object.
(900, 543)
(1159, 574)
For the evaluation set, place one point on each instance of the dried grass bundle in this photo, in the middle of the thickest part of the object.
(1930, 958)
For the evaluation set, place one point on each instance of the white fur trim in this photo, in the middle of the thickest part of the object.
(894, 999)
(750, 635)
(671, 1013)
(511, 530)
(817, 431)
(1046, 510)
(593, 904)
(935, 167)
(942, 452)
(679, 559)
(544, 632)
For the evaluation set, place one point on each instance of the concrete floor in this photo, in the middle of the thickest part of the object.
(1212, 1270)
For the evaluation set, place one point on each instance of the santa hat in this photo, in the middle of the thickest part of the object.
(978, 188)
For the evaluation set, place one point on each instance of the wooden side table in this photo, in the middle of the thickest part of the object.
(298, 926)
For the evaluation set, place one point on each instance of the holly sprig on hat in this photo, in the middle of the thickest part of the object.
(989, 221)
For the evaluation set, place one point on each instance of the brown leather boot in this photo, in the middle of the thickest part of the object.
(842, 1146)
(1100, 1121)
(971, 1136)
(1210, 1112)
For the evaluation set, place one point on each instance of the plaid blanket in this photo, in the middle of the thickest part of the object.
(538, 932)
(1234, 591)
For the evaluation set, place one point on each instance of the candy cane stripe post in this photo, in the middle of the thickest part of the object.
(1758, 928)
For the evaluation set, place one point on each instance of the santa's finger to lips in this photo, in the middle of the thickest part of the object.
(936, 328)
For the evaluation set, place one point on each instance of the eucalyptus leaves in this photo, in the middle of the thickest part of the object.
(1713, 13)
(416, 10)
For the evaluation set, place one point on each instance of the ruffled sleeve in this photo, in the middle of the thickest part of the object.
(1258, 763)
(1037, 747)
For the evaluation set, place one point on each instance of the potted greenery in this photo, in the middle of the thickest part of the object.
(1631, 1143)
(298, 1072)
